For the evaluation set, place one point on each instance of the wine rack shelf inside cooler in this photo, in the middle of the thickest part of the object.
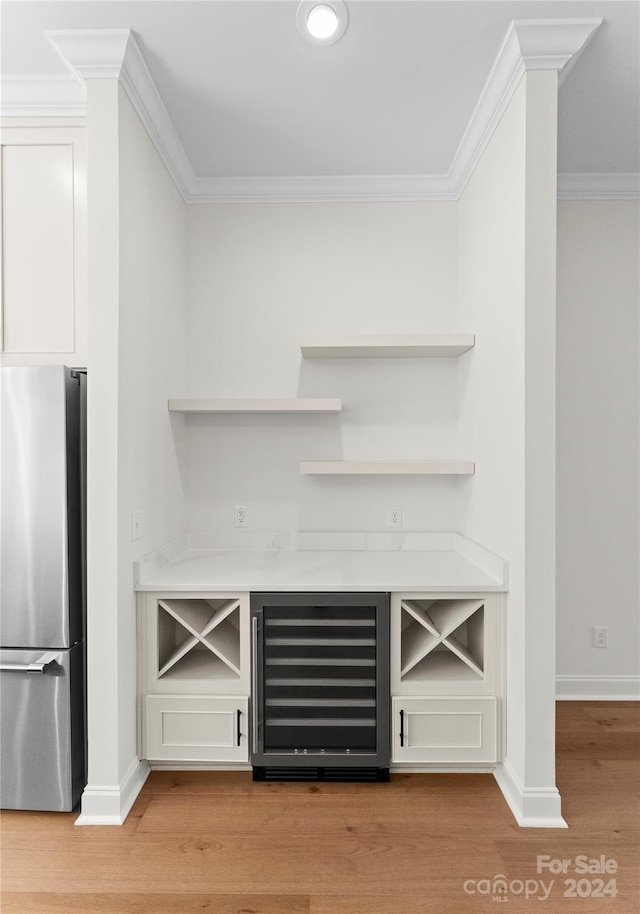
(442, 640)
(198, 639)
(320, 679)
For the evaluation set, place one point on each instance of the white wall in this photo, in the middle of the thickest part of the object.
(137, 329)
(507, 413)
(598, 456)
(261, 276)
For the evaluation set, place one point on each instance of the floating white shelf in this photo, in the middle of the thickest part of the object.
(255, 406)
(387, 467)
(445, 345)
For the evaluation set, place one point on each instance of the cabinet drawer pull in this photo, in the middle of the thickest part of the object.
(238, 726)
(401, 728)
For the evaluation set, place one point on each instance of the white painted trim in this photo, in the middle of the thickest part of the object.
(91, 53)
(321, 188)
(115, 54)
(148, 104)
(553, 44)
(598, 688)
(43, 96)
(594, 186)
(550, 44)
(533, 807)
(110, 805)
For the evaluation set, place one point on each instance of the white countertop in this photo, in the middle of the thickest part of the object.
(454, 565)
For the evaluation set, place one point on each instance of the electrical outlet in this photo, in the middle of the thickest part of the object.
(600, 636)
(240, 516)
(395, 517)
(136, 525)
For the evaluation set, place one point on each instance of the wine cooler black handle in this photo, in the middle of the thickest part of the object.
(401, 728)
(238, 725)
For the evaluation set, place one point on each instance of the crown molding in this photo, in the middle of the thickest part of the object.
(115, 54)
(321, 188)
(597, 186)
(553, 44)
(42, 96)
(544, 44)
(530, 44)
(92, 53)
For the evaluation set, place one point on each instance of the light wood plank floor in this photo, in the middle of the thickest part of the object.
(216, 842)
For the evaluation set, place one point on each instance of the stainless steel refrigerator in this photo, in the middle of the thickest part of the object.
(42, 653)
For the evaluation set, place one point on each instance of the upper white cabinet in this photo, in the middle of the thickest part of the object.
(44, 245)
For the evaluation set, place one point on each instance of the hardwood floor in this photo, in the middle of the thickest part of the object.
(217, 842)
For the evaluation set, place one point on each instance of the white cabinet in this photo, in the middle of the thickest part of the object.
(446, 678)
(43, 180)
(446, 730)
(196, 728)
(194, 677)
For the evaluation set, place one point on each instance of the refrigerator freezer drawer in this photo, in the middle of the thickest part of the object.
(41, 729)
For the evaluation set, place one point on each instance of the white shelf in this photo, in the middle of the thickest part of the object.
(255, 406)
(198, 664)
(387, 467)
(442, 666)
(417, 642)
(448, 615)
(445, 345)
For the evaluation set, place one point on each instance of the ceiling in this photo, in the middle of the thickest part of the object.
(249, 98)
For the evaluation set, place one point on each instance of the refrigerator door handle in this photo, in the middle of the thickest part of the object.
(38, 666)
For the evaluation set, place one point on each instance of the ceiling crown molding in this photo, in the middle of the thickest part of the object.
(597, 186)
(530, 44)
(546, 44)
(320, 188)
(115, 54)
(92, 53)
(42, 96)
(552, 44)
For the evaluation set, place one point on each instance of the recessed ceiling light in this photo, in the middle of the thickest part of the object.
(322, 23)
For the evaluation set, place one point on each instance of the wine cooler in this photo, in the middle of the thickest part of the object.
(320, 690)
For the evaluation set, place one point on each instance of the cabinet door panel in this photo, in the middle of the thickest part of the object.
(38, 248)
(447, 730)
(197, 729)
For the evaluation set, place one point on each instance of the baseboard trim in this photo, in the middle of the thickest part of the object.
(598, 688)
(110, 805)
(532, 807)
